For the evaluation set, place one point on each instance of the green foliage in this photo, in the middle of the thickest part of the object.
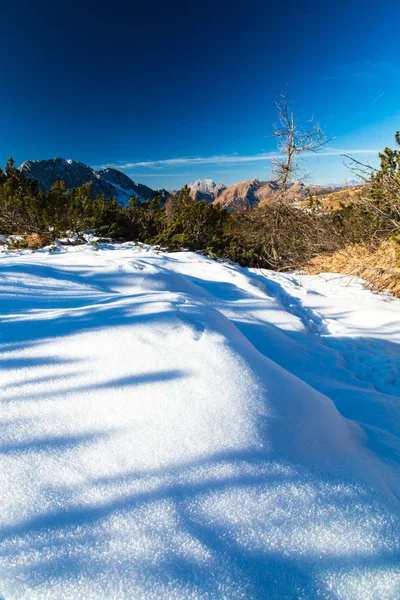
(375, 215)
(22, 205)
(385, 188)
(277, 235)
(356, 223)
(24, 209)
(193, 225)
(146, 220)
(17, 244)
(314, 204)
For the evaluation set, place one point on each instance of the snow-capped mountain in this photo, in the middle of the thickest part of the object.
(110, 182)
(203, 185)
(206, 189)
(125, 184)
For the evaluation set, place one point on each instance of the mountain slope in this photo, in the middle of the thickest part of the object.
(176, 427)
(246, 195)
(242, 196)
(125, 183)
(110, 182)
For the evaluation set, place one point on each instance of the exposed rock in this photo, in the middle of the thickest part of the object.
(110, 182)
(206, 189)
(241, 196)
(246, 195)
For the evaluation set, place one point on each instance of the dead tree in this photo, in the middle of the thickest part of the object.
(284, 236)
(293, 142)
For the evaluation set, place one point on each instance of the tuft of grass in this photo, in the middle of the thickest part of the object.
(379, 267)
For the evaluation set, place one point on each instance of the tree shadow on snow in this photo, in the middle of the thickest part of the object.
(291, 569)
(261, 567)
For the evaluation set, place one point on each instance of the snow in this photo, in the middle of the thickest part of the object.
(203, 185)
(177, 427)
(123, 195)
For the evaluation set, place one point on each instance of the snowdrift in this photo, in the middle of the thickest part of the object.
(175, 427)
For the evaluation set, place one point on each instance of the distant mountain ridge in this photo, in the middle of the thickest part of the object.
(110, 182)
(243, 195)
(206, 189)
(248, 194)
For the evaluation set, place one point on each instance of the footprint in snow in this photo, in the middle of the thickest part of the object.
(137, 266)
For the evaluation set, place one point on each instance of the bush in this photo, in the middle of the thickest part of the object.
(192, 224)
(280, 236)
(277, 235)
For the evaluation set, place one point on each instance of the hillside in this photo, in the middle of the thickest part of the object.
(246, 195)
(176, 427)
(335, 200)
(110, 182)
(241, 196)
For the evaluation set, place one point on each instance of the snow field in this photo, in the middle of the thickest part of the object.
(175, 427)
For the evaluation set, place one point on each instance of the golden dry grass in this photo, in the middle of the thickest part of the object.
(336, 200)
(36, 240)
(380, 268)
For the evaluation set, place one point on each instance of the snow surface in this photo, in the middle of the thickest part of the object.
(177, 427)
(203, 185)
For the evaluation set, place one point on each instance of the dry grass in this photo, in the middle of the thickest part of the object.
(380, 268)
(336, 200)
(36, 240)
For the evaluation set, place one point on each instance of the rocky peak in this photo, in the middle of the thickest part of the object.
(206, 189)
(110, 182)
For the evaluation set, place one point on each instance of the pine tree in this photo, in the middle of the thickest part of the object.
(185, 196)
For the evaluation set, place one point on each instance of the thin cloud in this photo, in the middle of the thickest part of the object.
(196, 160)
(222, 159)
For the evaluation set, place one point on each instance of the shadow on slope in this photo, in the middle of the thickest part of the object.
(267, 530)
(239, 521)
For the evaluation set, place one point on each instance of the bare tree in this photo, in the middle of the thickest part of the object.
(293, 142)
(281, 236)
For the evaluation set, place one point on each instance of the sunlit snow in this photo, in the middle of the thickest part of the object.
(177, 427)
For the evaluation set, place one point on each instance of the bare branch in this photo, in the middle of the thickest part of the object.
(293, 142)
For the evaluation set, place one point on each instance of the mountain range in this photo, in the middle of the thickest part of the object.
(115, 184)
(110, 182)
(245, 195)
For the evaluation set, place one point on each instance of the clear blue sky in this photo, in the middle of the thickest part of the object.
(139, 84)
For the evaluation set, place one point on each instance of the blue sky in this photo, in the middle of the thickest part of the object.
(170, 92)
